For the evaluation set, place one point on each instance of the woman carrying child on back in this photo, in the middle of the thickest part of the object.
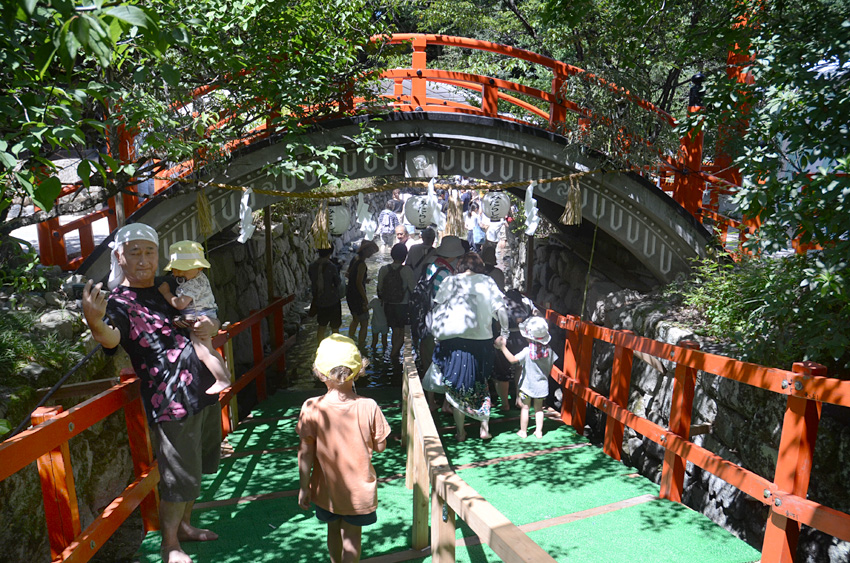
(536, 361)
(188, 290)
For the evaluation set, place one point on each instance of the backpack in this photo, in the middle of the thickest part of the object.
(392, 286)
(421, 301)
(388, 224)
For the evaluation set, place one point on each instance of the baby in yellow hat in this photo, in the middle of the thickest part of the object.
(339, 431)
(193, 297)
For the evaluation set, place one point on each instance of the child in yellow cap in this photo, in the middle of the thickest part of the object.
(340, 424)
(188, 290)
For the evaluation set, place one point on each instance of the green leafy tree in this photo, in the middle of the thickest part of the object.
(79, 72)
(792, 146)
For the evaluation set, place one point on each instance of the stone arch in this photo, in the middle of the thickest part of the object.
(641, 217)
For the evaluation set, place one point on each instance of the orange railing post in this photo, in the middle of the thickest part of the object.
(793, 465)
(138, 435)
(418, 85)
(490, 99)
(57, 486)
(257, 347)
(278, 335)
(557, 111)
(681, 408)
(621, 378)
(583, 366)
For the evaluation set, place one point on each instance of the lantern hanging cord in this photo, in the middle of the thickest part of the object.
(385, 187)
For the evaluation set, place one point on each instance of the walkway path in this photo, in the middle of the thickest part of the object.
(573, 500)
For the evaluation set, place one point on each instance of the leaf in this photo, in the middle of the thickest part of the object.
(110, 162)
(171, 76)
(43, 194)
(130, 14)
(84, 172)
(29, 8)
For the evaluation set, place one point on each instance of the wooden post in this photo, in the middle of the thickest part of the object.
(408, 429)
(793, 467)
(442, 530)
(421, 486)
(621, 378)
(57, 487)
(138, 435)
(681, 408)
(584, 364)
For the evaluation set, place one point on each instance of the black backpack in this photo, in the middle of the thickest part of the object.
(421, 301)
(392, 286)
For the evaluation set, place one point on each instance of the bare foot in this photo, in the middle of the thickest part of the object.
(485, 435)
(446, 408)
(191, 533)
(174, 554)
(522, 433)
(217, 388)
(460, 436)
(538, 435)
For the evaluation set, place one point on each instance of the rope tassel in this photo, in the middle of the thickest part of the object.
(454, 216)
(320, 227)
(206, 221)
(572, 208)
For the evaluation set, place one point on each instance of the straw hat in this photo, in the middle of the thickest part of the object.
(186, 255)
(536, 329)
(450, 247)
(337, 350)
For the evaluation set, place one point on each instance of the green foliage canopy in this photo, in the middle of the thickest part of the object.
(78, 70)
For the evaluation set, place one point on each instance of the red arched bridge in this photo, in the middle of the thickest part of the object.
(492, 129)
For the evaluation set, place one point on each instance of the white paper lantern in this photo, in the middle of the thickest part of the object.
(339, 219)
(419, 211)
(496, 205)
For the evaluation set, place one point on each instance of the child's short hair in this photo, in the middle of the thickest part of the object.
(341, 374)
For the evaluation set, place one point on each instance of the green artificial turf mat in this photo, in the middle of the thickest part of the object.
(505, 442)
(545, 485)
(555, 484)
(659, 531)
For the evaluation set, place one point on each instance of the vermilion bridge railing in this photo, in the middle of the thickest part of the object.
(805, 387)
(685, 179)
(46, 443)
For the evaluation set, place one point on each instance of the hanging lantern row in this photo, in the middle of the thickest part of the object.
(419, 211)
(496, 205)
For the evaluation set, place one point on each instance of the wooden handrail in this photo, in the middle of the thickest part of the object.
(805, 387)
(428, 463)
(47, 443)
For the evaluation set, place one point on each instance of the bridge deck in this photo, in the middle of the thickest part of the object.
(573, 500)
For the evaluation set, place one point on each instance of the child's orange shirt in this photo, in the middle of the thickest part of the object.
(343, 480)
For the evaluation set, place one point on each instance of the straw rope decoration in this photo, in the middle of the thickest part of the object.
(320, 227)
(393, 185)
(572, 208)
(454, 217)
